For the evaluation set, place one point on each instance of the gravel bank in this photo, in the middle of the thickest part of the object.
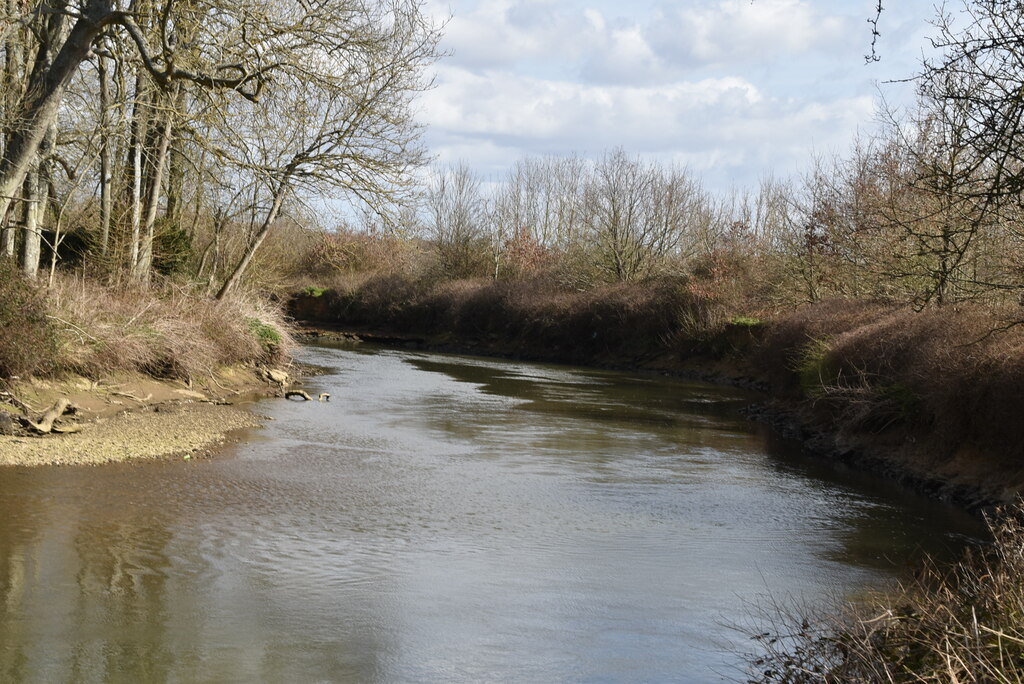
(166, 430)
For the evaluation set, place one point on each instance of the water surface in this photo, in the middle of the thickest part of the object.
(444, 519)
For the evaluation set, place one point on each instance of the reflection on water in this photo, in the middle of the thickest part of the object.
(443, 519)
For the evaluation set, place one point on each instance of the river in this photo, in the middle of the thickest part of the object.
(445, 519)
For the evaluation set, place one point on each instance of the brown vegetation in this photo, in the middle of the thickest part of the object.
(960, 624)
(937, 389)
(81, 327)
(621, 323)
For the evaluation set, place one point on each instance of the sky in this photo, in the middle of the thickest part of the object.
(736, 90)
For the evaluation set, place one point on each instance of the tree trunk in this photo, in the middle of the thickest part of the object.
(255, 243)
(135, 145)
(14, 68)
(106, 196)
(37, 192)
(175, 170)
(43, 96)
(31, 242)
(144, 266)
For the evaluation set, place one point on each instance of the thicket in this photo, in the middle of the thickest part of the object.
(622, 322)
(164, 332)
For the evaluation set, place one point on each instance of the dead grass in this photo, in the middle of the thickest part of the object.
(959, 624)
(940, 377)
(533, 317)
(170, 332)
(27, 338)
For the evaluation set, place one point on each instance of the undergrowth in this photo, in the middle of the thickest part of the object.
(537, 317)
(946, 379)
(166, 332)
(28, 341)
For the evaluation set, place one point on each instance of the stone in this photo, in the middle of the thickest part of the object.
(278, 376)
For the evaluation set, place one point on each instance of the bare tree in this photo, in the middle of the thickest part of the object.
(637, 214)
(344, 120)
(457, 222)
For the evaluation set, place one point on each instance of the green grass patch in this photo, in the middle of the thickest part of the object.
(816, 367)
(267, 334)
(904, 400)
(312, 291)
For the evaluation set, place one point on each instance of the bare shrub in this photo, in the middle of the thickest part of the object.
(350, 251)
(27, 341)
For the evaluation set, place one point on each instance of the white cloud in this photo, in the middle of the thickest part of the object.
(736, 31)
(731, 87)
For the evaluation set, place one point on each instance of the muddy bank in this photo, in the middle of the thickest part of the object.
(977, 491)
(131, 416)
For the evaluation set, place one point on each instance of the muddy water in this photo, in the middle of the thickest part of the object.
(443, 519)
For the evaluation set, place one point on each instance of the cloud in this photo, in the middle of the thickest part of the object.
(740, 31)
(702, 122)
(504, 33)
(730, 87)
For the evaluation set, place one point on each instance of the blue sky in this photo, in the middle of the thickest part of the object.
(734, 89)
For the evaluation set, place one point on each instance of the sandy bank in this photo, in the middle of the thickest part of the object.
(166, 430)
(130, 417)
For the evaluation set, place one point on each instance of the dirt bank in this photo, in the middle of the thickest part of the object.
(131, 416)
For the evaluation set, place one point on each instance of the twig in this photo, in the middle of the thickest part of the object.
(72, 325)
(132, 396)
(11, 399)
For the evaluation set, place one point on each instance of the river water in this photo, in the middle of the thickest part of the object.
(445, 519)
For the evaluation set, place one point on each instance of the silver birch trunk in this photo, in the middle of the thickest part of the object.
(106, 194)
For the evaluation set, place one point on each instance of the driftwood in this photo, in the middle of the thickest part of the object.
(45, 423)
(67, 429)
(11, 399)
(299, 394)
(129, 395)
(324, 396)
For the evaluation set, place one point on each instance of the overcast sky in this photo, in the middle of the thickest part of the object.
(735, 89)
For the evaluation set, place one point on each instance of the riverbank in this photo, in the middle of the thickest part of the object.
(130, 416)
(92, 372)
(929, 398)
